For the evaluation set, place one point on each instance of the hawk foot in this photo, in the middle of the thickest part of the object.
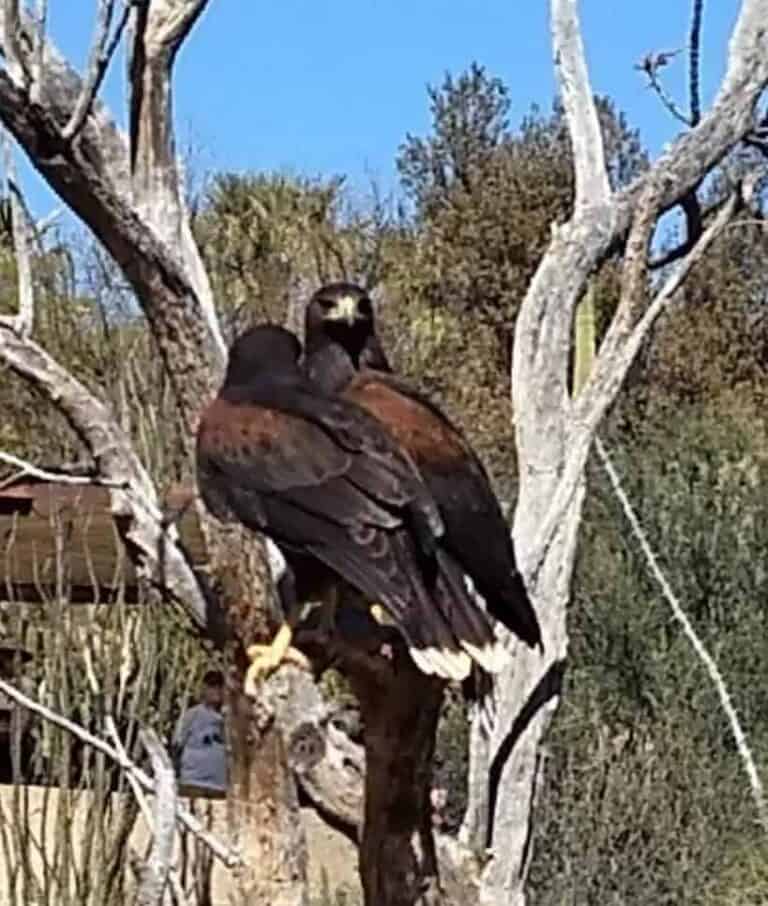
(265, 659)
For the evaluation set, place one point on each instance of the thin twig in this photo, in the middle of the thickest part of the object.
(745, 753)
(111, 728)
(650, 65)
(26, 469)
(101, 54)
(45, 223)
(138, 792)
(221, 850)
(694, 48)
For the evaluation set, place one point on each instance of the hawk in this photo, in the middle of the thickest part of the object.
(343, 502)
(344, 356)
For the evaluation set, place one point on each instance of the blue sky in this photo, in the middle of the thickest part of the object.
(333, 87)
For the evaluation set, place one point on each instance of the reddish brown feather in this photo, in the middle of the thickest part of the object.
(416, 428)
(225, 426)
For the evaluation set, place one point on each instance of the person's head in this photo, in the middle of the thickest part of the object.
(213, 689)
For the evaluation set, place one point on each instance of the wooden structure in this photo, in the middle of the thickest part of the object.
(45, 526)
(59, 541)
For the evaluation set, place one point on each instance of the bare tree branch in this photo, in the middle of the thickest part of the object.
(579, 246)
(693, 233)
(626, 332)
(651, 64)
(592, 186)
(102, 51)
(545, 302)
(158, 866)
(12, 40)
(158, 30)
(617, 352)
(227, 855)
(133, 496)
(730, 119)
(162, 287)
(694, 49)
(58, 90)
(38, 51)
(27, 469)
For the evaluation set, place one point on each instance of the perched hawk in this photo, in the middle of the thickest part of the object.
(331, 487)
(345, 357)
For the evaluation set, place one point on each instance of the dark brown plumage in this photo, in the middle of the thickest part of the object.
(322, 478)
(345, 357)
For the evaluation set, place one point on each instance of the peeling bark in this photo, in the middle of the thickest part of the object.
(262, 805)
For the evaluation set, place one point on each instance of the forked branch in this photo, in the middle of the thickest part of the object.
(102, 50)
(542, 342)
(617, 352)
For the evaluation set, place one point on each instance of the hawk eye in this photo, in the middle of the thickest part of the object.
(325, 304)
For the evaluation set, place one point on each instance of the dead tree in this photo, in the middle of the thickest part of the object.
(554, 431)
(128, 190)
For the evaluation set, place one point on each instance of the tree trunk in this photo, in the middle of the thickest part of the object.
(262, 807)
(474, 828)
(528, 696)
(400, 708)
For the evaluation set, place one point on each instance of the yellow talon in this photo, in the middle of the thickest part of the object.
(265, 659)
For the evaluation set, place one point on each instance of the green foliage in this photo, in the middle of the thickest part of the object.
(485, 197)
(646, 796)
(644, 799)
(262, 236)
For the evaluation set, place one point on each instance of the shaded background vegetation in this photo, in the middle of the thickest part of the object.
(643, 799)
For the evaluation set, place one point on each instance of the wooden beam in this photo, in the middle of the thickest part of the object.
(37, 519)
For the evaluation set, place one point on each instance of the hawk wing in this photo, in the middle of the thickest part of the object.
(323, 478)
(476, 533)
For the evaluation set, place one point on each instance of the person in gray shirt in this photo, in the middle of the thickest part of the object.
(199, 747)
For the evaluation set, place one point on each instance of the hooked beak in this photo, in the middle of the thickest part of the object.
(345, 310)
